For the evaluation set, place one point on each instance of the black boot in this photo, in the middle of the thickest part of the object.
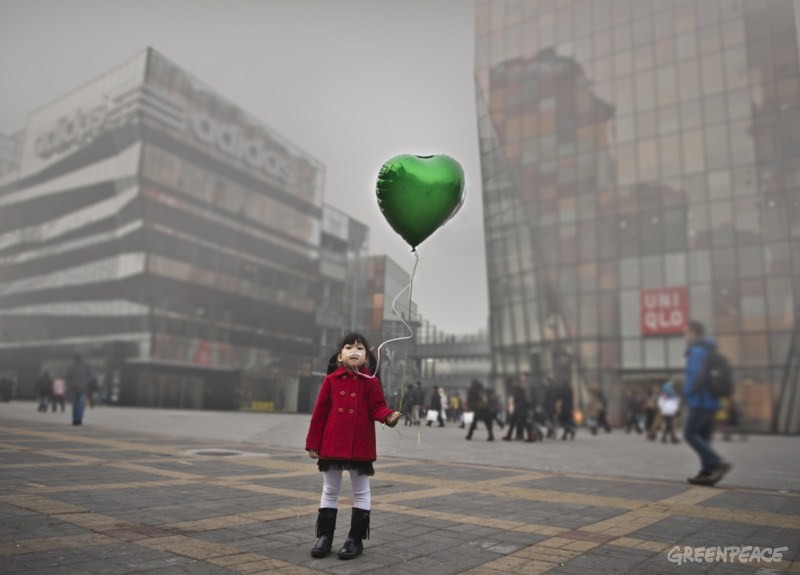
(359, 530)
(326, 525)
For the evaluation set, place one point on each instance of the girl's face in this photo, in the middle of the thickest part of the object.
(353, 356)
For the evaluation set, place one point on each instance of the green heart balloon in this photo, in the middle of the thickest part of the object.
(417, 194)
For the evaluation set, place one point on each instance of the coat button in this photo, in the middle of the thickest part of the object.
(341, 410)
(342, 392)
(352, 394)
(351, 411)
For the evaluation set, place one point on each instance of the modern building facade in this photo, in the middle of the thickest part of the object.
(641, 166)
(10, 152)
(343, 280)
(165, 234)
(340, 294)
(357, 295)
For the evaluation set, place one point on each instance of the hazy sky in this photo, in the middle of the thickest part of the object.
(353, 82)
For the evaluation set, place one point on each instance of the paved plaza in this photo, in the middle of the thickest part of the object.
(153, 491)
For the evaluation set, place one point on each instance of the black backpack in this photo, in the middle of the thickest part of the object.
(717, 374)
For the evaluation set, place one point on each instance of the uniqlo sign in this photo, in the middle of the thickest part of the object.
(664, 311)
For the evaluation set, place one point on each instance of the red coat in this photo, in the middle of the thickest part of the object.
(342, 426)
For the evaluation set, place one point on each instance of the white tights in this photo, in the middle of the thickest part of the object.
(332, 483)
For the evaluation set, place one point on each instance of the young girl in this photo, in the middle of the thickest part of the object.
(342, 436)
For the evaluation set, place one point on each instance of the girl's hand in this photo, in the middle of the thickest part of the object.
(393, 418)
(313, 454)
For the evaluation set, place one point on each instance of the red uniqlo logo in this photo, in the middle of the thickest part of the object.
(664, 311)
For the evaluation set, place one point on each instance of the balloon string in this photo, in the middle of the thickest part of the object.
(408, 327)
(383, 426)
(405, 351)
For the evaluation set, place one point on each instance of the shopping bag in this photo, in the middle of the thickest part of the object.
(433, 415)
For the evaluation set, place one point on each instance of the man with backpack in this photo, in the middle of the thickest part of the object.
(707, 378)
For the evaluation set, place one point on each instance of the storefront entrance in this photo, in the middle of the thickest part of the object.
(155, 384)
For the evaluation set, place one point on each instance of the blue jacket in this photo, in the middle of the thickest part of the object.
(696, 356)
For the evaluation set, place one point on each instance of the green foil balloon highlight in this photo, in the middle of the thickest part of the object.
(417, 194)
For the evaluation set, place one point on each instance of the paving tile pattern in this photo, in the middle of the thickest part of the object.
(97, 502)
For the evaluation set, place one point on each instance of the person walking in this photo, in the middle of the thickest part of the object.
(702, 405)
(44, 390)
(652, 418)
(536, 410)
(455, 407)
(341, 436)
(632, 411)
(495, 407)
(478, 403)
(602, 414)
(59, 392)
(593, 410)
(460, 409)
(444, 401)
(669, 404)
(519, 415)
(551, 398)
(596, 410)
(435, 404)
(408, 408)
(566, 417)
(418, 395)
(79, 382)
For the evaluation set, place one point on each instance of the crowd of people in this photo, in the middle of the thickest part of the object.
(536, 410)
(547, 411)
(79, 381)
(657, 411)
(531, 413)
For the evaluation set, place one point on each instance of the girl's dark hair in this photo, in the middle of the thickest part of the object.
(350, 339)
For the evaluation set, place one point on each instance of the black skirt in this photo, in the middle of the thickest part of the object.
(362, 467)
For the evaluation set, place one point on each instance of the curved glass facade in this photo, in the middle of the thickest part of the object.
(638, 154)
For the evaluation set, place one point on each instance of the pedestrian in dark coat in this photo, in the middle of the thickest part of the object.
(478, 402)
(44, 389)
(79, 380)
(436, 405)
(632, 407)
(407, 409)
(519, 417)
(566, 411)
(551, 396)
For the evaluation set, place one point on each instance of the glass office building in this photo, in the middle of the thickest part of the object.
(168, 236)
(641, 166)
